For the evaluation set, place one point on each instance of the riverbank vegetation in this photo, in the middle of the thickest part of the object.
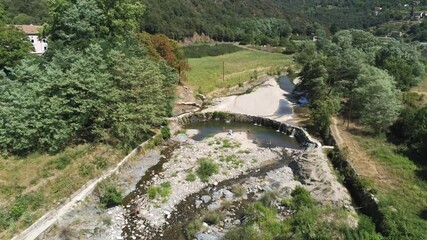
(366, 83)
(305, 219)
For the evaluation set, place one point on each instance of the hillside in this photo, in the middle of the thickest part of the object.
(346, 14)
(222, 20)
(238, 20)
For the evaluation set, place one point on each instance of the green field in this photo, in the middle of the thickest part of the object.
(206, 72)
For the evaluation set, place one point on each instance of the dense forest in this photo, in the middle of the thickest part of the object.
(253, 21)
(346, 14)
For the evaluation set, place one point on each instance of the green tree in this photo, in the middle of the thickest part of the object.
(321, 112)
(81, 21)
(402, 62)
(14, 46)
(378, 100)
(414, 121)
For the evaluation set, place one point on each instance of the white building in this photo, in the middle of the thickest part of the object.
(40, 45)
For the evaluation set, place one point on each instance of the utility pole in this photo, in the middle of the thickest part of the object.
(223, 71)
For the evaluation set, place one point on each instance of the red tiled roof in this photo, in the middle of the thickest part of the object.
(29, 29)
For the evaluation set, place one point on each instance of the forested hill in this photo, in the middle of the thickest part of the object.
(220, 19)
(241, 20)
(344, 14)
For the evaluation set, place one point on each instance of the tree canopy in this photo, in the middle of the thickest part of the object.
(366, 75)
(95, 83)
(78, 22)
(14, 44)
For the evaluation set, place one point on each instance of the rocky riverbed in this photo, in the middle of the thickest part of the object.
(245, 172)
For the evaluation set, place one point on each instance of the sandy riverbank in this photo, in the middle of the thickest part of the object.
(264, 101)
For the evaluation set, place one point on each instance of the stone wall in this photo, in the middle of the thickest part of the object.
(366, 201)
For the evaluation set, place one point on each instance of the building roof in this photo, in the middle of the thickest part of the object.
(29, 29)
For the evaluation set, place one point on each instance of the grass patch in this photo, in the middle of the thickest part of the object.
(232, 161)
(206, 72)
(192, 228)
(161, 191)
(191, 177)
(401, 204)
(238, 190)
(46, 180)
(206, 169)
(226, 143)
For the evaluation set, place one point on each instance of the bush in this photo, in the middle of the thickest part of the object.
(163, 190)
(101, 163)
(269, 199)
(302, 198)
(206, 169)
(192, 228)
(111, 197)
(5, 218)
(212, 217)
(166, 134)
(238, 190)
(152, 192)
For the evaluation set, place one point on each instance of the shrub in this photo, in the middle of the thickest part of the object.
(238, 190)
(260, 213)
(269, 199)
(302, 198)
(152, 192)
(245, 232)
(206, 169)
(5, 218)
(163, 190)
(166, 134)
(192, 228)
(111, 197)
(212, 217)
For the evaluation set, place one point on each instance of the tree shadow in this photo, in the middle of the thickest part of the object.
(422, 174)
(284, 108)
(360, 132)
(423, 214)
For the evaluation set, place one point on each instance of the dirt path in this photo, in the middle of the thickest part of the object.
(363, 163)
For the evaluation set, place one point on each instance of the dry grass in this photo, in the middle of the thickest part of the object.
(55, 177)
